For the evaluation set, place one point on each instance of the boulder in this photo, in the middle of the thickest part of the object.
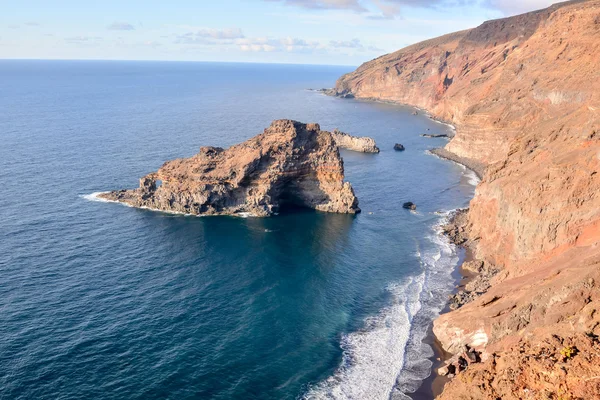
(409, 205)
(399, 147)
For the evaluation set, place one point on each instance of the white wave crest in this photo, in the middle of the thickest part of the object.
(373, 357)
(95, 197)
(472, 177)
(452, 127)
(387, 358)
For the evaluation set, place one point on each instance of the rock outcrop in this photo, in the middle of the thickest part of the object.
(399, 147)
(524, 95)
(362, 144)
(409, 205)
(289, 164)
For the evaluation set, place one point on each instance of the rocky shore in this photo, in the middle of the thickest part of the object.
(477, 274)
(476, 166)
(289, 164)
(524, 95)
(547, 356)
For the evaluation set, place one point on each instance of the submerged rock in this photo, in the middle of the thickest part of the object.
(361, 144)
(427, 135)
(409, 205)
(290, 163)
(399, 147)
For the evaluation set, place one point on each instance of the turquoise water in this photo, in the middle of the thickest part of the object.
(103, 301)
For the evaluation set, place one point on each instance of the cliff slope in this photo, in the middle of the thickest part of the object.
(290, 163)
(524, 94)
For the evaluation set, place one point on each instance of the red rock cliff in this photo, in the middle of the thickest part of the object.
(524, 94)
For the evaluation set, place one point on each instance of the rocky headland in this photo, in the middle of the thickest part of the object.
(524, 95)
(362, 144)
(290, 163)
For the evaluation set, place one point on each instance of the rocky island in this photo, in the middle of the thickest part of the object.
(524, 95)
(290, 163)
(354, 143)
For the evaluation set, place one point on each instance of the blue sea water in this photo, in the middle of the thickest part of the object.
(102, 301)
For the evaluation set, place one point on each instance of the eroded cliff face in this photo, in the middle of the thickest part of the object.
(290, 163)
(524, 94)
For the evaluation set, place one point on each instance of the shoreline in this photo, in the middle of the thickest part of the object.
(330, 92)
(475, 166)
(433, 385)
(95, 197)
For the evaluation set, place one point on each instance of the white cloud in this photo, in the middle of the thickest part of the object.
(388, 11)
(152, 43)
(209, 36)
(353, 5)
(220, 33)
(234, 39)
(391, 9)
(513, 7)
(83, 40)
(288, 44)
(353, 44)
(120, 26)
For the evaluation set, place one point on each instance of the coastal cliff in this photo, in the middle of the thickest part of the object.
(524, 95)
(290, 163)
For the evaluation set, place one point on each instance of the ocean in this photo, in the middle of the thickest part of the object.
(103, 301)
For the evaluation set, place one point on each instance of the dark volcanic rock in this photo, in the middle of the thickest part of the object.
(409, 205)
(399, 147)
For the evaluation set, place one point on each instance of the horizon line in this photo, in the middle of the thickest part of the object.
(173, 61)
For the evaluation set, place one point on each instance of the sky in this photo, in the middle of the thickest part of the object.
(334, 32)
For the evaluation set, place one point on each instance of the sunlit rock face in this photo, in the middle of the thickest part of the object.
(290, 163)
(524, 95)
(362, 144)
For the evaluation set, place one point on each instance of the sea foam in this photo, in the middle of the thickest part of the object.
(95, 197)
(388, 358)
(471, 176)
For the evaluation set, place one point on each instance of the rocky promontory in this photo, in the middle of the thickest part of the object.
(361, 144)
(290, 163)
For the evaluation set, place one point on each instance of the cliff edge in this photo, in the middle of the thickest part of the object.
(524, 95)
(290, 163)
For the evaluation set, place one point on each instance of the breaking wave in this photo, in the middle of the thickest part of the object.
(388, 357)
(472, 177)
(95, 197)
